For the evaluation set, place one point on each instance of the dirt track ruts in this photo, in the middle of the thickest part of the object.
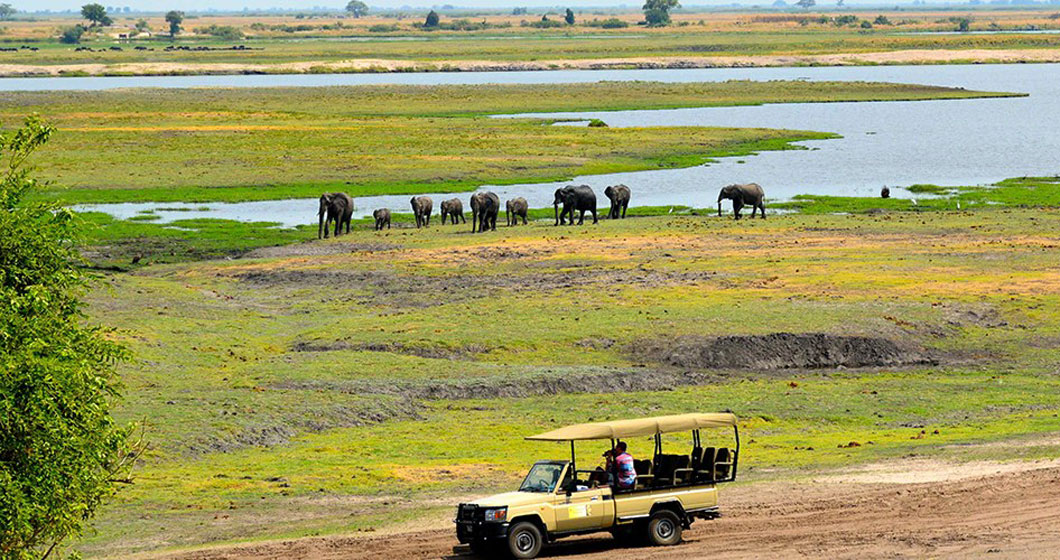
(1013, 515)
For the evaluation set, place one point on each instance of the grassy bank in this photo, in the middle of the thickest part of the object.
(315, 389)
(238, 144)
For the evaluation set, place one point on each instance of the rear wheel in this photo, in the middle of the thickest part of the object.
(524, 540)
(664, 529)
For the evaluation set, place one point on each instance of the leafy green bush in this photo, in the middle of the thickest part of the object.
(61, 454)
(609, 23)
(226, 32)
(72, 35)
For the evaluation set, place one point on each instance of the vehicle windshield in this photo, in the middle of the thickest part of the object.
(542, 477)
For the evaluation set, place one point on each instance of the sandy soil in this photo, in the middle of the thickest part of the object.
(994, 510)
(376, 65)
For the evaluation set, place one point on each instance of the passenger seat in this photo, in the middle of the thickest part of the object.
(722, 464)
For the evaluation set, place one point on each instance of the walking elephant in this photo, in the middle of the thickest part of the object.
(382, 218)
(580, 198)
(334, 207)
(484, 208)
(516, 208)
(885, 192)
(619, 195)
(556, 201)
(454, 209)
(421, 208)
(750, 194)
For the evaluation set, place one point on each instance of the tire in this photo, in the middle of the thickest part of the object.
(664, 529)
(524, 540)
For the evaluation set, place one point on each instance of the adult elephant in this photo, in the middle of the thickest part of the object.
(619, 195)
(421, 208)
(334, 207)
(580, 198)
(516, 208)
(454, 209)
(484, 208)
(750, 194)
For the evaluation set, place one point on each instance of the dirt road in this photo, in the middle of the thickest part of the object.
(1005, 515)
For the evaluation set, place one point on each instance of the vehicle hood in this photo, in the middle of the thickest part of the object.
(515, 499)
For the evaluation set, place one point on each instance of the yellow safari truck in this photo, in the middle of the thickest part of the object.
(556, 499)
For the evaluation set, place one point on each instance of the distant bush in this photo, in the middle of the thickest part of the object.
(609, 23)
(227, 32)
(72, 35)
(866, 24)
(547, 24)
(845, 20)
(597, 123)
(881, 20)
(383, 28)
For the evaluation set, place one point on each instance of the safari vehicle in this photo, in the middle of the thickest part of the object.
(556, 499)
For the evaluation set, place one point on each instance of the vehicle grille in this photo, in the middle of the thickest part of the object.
(466, 512)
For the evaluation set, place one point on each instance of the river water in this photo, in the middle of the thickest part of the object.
(960, 142)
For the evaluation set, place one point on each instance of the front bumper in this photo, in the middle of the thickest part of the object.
(470, 531)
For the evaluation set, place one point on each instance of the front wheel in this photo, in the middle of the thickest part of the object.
(664, 529)
(524, 540)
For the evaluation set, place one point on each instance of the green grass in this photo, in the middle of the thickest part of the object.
(435, 51)
(258, 144)
(272, 409)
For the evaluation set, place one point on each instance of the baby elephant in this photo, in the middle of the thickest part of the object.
(750, 194)
(454, 209)
(517, 208)
(619, 195)
(382, 218)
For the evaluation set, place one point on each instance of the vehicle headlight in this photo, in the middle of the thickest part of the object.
(496, 514)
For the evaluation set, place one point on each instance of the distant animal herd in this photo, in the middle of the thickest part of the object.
(337, 208)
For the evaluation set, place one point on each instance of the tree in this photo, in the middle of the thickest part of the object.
(174, 18)
(806, 4)
(72, 35)
(357, 8)
(432, 19)
(569, 18)
(96, 14)
(61, 453)
(142, 25)
(6, 11)
(657, 12)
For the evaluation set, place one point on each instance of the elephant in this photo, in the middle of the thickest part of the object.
(338, 208)
(421, 208)
(580, 198)
(484, 208)
(454, 209)
(885, 193)
(749, 194)
(382, 218)
(619, 195)
(516, 208)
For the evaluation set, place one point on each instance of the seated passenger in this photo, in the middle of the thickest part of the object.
(621, 464)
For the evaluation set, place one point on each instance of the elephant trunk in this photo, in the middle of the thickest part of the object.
(555, 210)
(719, 205)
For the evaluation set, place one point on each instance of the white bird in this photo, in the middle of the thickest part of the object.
(958, 205)
(913, 201)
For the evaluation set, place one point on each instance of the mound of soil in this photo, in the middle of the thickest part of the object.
(780, 351)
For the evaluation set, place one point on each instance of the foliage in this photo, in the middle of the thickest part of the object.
(142, 25)
(597, 123)
(6, 11)
(657, 12)
(609, 23)
(846, 19)
(174, 18)
(432, 19)
(882, 20)
(61, 454)
(806, 4)
(569, 17)
(545, 23)
(357, 8)
(72, 35)
(226, 32)
(96, 14)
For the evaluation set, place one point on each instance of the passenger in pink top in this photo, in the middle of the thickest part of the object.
(620, 466)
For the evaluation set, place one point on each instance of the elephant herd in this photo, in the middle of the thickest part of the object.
(337, 208)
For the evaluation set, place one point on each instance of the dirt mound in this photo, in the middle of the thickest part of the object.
(315, 248)
(420, 350)
(780, 351)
